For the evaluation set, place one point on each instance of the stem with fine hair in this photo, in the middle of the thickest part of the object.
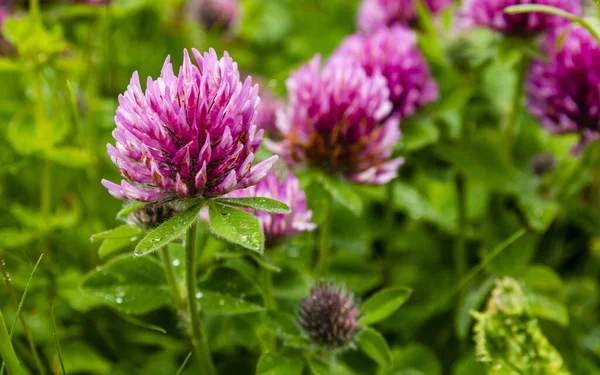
(460, 251)
(324, 241)
(201, 350)
(517, 101)
(167, 260)
(266, 281)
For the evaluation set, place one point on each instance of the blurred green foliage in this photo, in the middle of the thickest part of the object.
(60, 81)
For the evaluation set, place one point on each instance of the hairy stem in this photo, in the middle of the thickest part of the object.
(460, 251)
(266, 281)
(324, 242)
(522, 67)
(167, 260)
(201, 350)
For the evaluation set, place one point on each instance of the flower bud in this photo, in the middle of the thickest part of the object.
(329, 315)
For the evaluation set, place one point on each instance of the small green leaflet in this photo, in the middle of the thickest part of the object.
(383, 304)
(168, 231)
(236, 226)
(256, 203)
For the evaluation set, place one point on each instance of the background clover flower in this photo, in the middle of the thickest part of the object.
(5, 10)
(393, 53)
(374, 14)
(329, 315)
(564, 92)
(287, 190)
(217, 14)
(490, 13)
(270, 104)
(190, 134)
(338, 119)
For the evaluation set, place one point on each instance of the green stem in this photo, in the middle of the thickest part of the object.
(324, 242)
(34, 7)
(7, 351)
(460, 251)
(488, 258)
(517, 102)
(201, 350)
(266, 280)
(167, 260)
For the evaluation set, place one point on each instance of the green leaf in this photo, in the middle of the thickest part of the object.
(256, 203)
(373, 344)
(383, 303)
(343, 193)
(168, 231)
(414, 359)
(225, 304)
(236, 226)
(472, 301)
(69, 156)
(123, 231)
(317, 366)
(114, 245)
(130, 285)
(548, 308)
(285, 363)
(420, 134)
(130, 208)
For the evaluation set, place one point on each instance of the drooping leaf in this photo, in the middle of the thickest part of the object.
(130, 285)
(343, 193)
(286, 363)
(373, 344)
(225, 304)
(317, 366)
(168, 231)
(383, 304)
(236, 226)
(123, 231)
(130, 208)
(256, 203)
(414, 358)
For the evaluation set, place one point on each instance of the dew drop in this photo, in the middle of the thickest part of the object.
(119, 300)
(199, 295)
(133, 239)
(137, 253)
(176, 262)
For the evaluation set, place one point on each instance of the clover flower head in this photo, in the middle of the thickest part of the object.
(188, 135)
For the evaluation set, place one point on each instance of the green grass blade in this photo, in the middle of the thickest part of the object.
(62, 365)
(14, 324)
(185, 361)
(7, 351)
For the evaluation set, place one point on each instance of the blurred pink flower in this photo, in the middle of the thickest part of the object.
(490, 13)
(393, 52)
(338, 119)
(374, 14)
(564, 92)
